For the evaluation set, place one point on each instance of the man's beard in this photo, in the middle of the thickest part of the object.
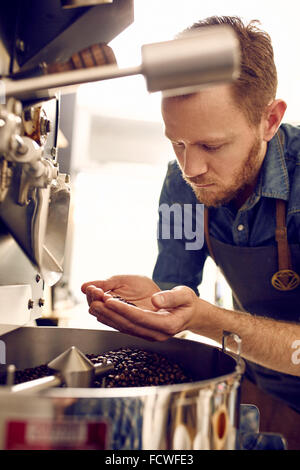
(243, 177)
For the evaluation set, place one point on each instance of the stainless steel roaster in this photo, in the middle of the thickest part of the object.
(202, 414)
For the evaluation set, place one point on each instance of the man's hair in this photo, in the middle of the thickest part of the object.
(257, 84)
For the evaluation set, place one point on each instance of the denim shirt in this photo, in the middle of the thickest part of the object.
(252, 225)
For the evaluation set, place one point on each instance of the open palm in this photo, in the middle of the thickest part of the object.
(132, 288)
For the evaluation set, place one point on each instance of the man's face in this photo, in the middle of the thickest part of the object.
(219, 152)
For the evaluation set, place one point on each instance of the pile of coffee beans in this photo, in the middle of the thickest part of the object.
(31, 373)
(132, 368)
(138, 368)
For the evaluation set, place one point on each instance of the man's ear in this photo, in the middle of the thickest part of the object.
(273, 117)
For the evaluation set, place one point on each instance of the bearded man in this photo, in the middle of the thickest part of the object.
(234, 156)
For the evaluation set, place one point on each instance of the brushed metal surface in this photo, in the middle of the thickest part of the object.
(199, 415)
(32, 346)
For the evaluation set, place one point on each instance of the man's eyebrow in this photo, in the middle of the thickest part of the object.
(212, 140)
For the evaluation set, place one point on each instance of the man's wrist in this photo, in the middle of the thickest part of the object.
(208, 320)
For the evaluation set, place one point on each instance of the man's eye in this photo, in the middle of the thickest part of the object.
(211, 148)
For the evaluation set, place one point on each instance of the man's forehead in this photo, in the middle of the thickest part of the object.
(212, 138)
(210, 115)
(180, 128)
(216, 92)
(173, 102)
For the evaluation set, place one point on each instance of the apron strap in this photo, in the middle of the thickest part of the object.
(284, 254)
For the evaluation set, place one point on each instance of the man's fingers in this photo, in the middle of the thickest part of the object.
(87, 284)
(119, 322)
(105, 285)
(180, 295)
(94, 293)
(160, 321)
(151, 325)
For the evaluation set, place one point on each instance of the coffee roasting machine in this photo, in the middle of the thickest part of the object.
(45, 48)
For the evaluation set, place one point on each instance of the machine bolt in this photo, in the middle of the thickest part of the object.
(30, 304)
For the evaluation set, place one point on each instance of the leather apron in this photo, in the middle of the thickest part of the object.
(248, 271)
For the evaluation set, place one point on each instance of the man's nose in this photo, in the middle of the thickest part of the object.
(194, 162)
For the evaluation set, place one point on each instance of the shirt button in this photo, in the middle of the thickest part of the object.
(240, 227)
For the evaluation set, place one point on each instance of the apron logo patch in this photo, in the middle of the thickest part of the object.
(285, 280)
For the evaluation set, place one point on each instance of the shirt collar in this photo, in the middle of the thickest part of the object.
(274, 180)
